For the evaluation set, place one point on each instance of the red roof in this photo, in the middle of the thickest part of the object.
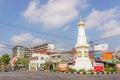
(45, 52)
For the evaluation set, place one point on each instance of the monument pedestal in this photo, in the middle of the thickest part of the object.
(83, 63)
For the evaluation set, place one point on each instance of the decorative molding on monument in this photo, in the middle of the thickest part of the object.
(81, 25)
(82, 46)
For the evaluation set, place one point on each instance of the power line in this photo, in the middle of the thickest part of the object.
(106, 38)
(6, 47)
(48, 34)
(35, 31)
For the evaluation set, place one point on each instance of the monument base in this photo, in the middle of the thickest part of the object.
(83, 63)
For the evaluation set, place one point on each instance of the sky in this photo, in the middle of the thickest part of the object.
(33, 22)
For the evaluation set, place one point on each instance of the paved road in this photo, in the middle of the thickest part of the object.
(32, 75)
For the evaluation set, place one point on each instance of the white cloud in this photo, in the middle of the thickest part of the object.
(38, 41)
(54, 13)
(22, 38)
(2, 47)
(109, 25)
(114, 32)
(106, 21)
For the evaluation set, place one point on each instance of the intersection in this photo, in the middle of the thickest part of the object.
(41, 75)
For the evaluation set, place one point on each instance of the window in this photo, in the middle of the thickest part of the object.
(42, 58)
(79, 54)
(86, 54)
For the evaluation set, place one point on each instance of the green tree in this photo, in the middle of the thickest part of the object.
(47, 65)
(0, 64)
(22, 62)
(0, 61)
(25, 62)
(5, 59)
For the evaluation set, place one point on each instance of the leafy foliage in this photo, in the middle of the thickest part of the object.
(23, 62)
(47, 64)
(5, 59)
(72, 70)
(54, 69)
(82, 70)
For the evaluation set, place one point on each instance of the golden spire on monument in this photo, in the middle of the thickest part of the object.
(81, 24)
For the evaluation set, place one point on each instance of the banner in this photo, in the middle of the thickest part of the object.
(101, 47)
(107, 56)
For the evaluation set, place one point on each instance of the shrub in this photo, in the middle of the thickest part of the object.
(113, 70)
(91, 71)
(72, 70)
(32, 68)
(82, 70)
(0, 68)
(54, 69)
(107, 69)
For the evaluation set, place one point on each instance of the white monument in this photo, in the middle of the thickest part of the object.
(82, 48)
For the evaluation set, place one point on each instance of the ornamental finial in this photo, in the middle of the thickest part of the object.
(81, 20)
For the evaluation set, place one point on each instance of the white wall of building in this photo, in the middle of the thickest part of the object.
(40, 59)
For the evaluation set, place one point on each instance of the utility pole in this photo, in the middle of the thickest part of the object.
(91, 46)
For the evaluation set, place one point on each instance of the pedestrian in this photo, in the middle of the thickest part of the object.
(6, 70)
(51, 68)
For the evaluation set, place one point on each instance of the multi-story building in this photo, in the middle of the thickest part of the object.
(24, 52)
(18, 51)
(44, 47)
(28, 52)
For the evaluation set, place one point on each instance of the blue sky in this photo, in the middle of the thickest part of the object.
(57, 17)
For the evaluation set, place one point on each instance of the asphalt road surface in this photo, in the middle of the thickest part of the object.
(39, 75)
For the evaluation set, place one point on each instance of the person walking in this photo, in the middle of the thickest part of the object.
(51, 68)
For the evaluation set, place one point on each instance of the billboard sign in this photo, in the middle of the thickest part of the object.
(97, 56)
(91, 55)
(101, 47)
(107, 56)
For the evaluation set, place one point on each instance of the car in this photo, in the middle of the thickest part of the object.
(41, 69)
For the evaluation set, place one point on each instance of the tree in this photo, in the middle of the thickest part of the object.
(0, 61)
(23, 62)
(47, 64)
(5, 59)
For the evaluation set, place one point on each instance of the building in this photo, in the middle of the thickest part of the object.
(82, 57)
(21, 52)
(44, 47)
(40, 58)
(24, 52)
(28, 52)
(18, 51)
